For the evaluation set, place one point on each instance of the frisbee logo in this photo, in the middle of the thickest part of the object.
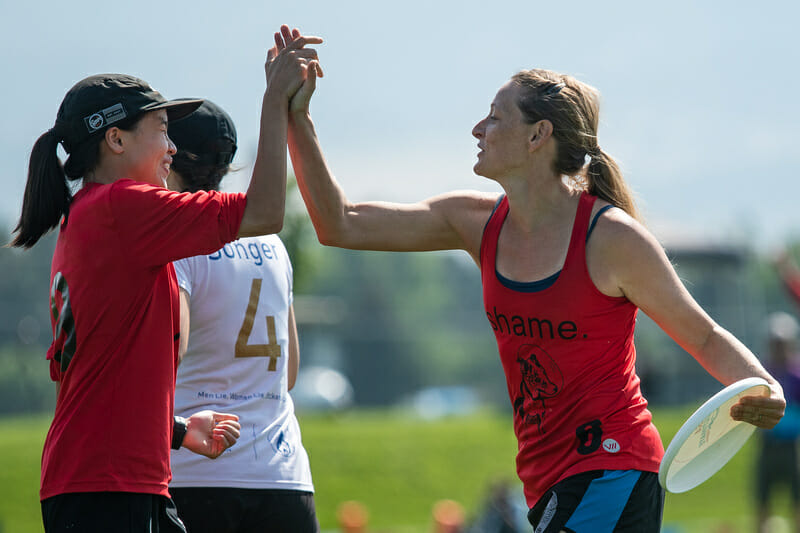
(611, 446)
(705, 429)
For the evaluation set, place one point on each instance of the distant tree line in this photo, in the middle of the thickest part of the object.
(397, 322)
(25, 384)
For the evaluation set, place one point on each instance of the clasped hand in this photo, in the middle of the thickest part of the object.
(291, 68)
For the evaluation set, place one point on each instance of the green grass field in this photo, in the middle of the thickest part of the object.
(398, 467)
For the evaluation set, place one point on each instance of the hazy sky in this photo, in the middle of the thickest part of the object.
(699, 98)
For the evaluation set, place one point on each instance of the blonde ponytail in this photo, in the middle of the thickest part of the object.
(572, 107)
(604, 180)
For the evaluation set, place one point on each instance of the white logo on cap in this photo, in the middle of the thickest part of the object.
(96, 121)
(104, 117)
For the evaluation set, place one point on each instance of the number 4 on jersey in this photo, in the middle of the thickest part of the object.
(271, 350)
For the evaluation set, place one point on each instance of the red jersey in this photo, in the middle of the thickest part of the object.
(115, 315)
(568, 355)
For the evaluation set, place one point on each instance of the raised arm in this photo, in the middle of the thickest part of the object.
(266, 194)
(625, 259)
(450, 221)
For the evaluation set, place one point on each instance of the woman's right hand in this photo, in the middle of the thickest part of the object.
(288, 63)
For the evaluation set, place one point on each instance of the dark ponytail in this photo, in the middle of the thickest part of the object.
(47, 195)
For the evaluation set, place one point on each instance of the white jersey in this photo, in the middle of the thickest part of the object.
(237, 362)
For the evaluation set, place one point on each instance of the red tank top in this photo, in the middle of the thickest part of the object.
(568, 355)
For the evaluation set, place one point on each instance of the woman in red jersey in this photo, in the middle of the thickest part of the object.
(114, 296)
(565, 265)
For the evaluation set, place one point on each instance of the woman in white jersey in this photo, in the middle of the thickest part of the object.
(240, 354)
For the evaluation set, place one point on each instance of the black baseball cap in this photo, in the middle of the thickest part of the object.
(207, 133)
(97, 102)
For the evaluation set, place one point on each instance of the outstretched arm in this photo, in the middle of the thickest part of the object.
(449, 221)
(625, 259)
(266, 194)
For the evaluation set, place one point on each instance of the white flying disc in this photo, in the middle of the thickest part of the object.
(709, 438)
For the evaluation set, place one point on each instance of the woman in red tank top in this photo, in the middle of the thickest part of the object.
(562, 307)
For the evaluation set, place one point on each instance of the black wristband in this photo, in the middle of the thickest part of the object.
(178, 431)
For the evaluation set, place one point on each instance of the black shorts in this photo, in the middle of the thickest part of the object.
(233, 510)
(601, 501)
(101, 512)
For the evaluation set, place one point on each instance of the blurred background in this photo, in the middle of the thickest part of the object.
(697, 106)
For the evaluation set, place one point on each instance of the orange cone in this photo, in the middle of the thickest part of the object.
(448, 517)
(352, 517)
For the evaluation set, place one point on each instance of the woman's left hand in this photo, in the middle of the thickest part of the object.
(210, 433)
(760, 411)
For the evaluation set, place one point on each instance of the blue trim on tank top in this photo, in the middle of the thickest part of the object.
(594, 220)
(542, 284)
